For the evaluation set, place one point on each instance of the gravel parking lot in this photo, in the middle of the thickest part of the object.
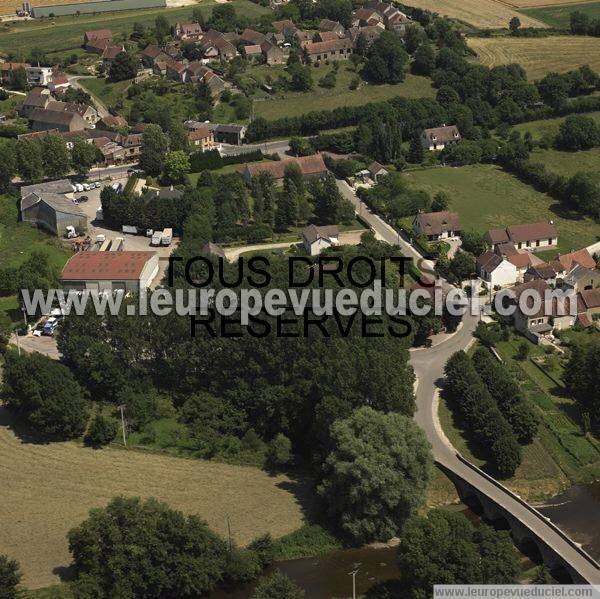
(131, 242)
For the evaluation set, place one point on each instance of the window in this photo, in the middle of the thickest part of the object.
(537, 243)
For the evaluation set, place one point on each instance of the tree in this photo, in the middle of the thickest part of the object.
(8, 164)
(161, 28)
(154, 147)
(83, 156)
(580, 23)
(473, 242)
(514, 25)
(300, 146)
(376, 474)
(10, 577)
(441, 201)
(445, 548)
(102, 431)
(124, 66)
(523, 351)
(301, 77)
(177, 166)
(424, 60)
(386, 59)
(280, 451)
(18, 79)
(173, 556)
(578, 132)
(30, 163)
(335, 10)
(277, 586)
(45, 394)
(57, 160)
(554, 90)
(542, 576)
(416, 152)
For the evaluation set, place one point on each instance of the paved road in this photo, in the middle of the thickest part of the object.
(429, 369)
(428, 365)
(382, 229)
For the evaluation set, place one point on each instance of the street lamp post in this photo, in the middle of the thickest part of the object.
(353, 574)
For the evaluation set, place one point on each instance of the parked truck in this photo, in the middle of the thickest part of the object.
(167, 237)
(156, 238)
(130, 230)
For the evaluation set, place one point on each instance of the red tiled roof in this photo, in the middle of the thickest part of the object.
(105, 266)
(435, 223)
(583, 257)
(443, 134)
(531, 232)
(309, 165)
(98, 34)
(591, 298)
(329, 46)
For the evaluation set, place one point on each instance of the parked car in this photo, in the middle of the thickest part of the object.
(83, 199)
(79, 187)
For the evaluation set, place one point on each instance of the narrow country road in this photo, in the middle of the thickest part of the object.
(269, 147)
(98, 105)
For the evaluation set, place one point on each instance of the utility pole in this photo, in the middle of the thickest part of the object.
(18, 343)
(122, 408)
(353, 574)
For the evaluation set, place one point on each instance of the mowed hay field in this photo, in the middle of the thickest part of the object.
(48, 489)
(488, 14)
(559, 15)
(539, 56)
(543, 3)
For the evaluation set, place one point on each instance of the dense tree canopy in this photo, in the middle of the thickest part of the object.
(44, 393)
(386, 59)
(445, 548)
(10, 577)
(375, 475)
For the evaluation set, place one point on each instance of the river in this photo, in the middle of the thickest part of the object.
(577, 513)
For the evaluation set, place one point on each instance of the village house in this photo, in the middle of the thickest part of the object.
(97, 35)
(112, 152)
(110, 271)
(252, 52)
(530, 237)
(303, 36)
(113, 122)
(151, 55)
(39, 75)
(8, 69)
(326, 36)
(285, 27)
(393, 18)
(59, 84)
(230, 134)
(34, 101)
(543, 271)
(273, 54)
(42, 119)
(109, 55)
(332, 26)
(132, 144)
(214, 45)
(316, 239)
(581, 279)
(437, 225)
(188, 31)
(440, 137)
(363, 17)
(339, 49)
(369, 34)
(376, 170)
(202, 138)
(176, 70)
(496, 271)
(564, 263)
(311, 167)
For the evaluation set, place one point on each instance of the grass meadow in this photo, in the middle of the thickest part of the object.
(548, 128)
(293, 103)
(487, 197)
(559, 14)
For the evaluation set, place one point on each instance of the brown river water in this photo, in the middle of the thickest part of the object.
(576, 511)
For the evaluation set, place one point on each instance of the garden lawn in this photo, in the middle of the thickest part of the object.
(568, 163)
(293, 104)
(486, 197)
(108, 93)
(559, 16)
(63, 33)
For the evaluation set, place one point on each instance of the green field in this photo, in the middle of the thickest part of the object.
(487, 197)
(559, 16)
(64, 33)
(568, 163)
(17, 241)
(292, 104)
(548, 128)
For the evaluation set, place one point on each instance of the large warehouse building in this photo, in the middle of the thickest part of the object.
(109, 271)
